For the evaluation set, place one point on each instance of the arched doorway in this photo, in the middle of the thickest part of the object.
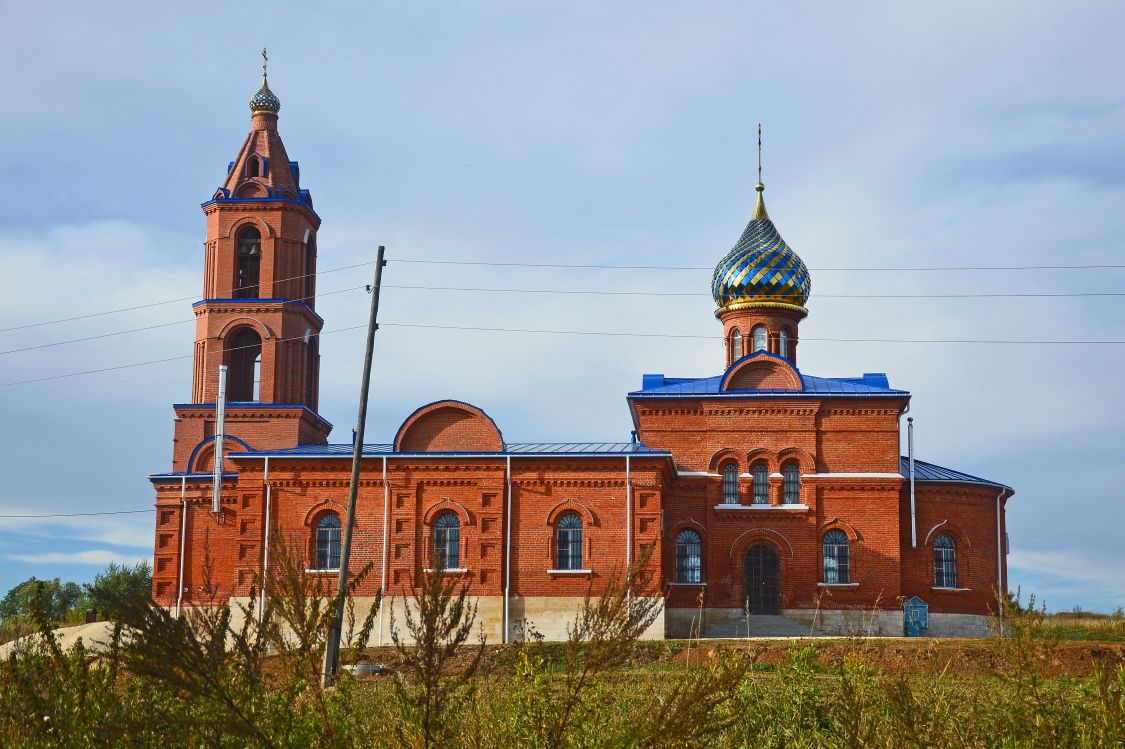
(762, 578)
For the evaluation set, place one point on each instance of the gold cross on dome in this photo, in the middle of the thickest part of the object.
(265, 61)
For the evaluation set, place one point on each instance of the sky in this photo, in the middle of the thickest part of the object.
(895, 135)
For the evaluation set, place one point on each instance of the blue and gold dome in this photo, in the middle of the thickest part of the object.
(265, 100)
(761, 270)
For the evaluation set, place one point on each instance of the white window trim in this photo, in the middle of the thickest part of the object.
(570, 572)
(951, 590)
(687, 585)
(852, 476)
(838, 585)
(762, 507)
(451, 570)
(323, 571)
(702, 474)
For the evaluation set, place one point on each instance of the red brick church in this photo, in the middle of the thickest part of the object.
(764, 490)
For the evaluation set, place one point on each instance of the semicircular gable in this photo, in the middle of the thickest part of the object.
(762, 371)
(448, 426)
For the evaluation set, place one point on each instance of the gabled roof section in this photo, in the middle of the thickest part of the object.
(929, 473)
(870, 384)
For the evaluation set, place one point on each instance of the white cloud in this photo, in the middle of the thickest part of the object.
(99, 557)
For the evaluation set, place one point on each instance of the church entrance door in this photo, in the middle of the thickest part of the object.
(763, 579)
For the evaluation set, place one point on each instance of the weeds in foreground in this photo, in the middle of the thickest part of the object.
(239, 677)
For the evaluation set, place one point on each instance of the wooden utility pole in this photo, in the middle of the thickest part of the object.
(332, 648)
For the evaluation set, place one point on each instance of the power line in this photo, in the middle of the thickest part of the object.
(890, 269)
(195, 297)
(147, 327)
(569, 265)
(80, 514)
(714, 337)
(604, 333)
(596, 292)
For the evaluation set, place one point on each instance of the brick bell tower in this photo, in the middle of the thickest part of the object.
(257, 314)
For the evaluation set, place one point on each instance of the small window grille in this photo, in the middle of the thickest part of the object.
(447, 541)
(328, 542)
(730, 484)
(689, 557)
(568, 542)
(945, 562)
(792, 474)
(761, 484)
(837, 562)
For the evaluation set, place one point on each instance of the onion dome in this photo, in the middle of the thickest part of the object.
(265, 100)
(761, 270)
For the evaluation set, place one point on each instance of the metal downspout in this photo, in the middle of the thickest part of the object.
(386, 533)
(910, 453)
(183, 533)
(507, 543)
(266, 546)
(628, 526)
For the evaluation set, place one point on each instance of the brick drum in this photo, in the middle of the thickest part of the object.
(774, 501)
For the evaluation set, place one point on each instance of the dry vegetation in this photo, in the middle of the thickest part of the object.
(196, 681)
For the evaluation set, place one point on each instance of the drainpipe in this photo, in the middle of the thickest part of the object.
(507, 542)
(266, 554)
(910, 453)
(386, 533)
(220, 438)
(628, 525)
(1001, 589)
(183, 532)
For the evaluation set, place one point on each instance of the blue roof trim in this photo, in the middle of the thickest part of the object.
(930, 473)
(304, 194)
(659, 386)
(534, 449)
(207, 440)
(256, 300)
(179, 476)
(257, 404)
(762, 355)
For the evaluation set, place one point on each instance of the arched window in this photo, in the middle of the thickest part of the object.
(761, 474)
(249, 260)
(253, 167)
(244, 365)
(837, 561)
(568, 542)
(783, 343)
(945, 562)
(761, 338)
(792, 483)
(328, 542)
(689, 557)
(735, 345)
(447, 541)
(730, 483)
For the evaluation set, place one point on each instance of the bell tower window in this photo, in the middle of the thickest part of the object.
(253, 167)
(249, 260)
(244, 366)
(783, 343)
(735, 346)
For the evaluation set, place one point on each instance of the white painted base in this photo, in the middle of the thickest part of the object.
(729, 622)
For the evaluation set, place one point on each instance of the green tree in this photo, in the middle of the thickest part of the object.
(120, 585)
(60, 602)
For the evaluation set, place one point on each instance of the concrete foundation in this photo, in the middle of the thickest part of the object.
(683, 623)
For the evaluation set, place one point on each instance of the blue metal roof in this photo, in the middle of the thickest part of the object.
(658, 386)
(513, 448)
(178, 476)
(929, 473)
